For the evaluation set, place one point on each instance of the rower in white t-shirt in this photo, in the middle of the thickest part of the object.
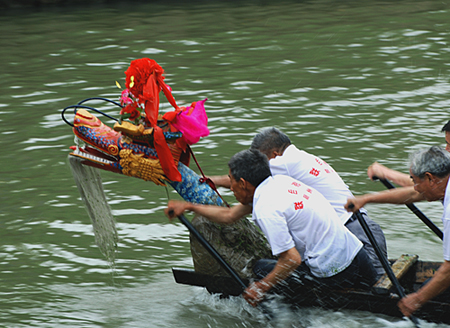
(303, 230)
(292, 214)
(286, 159)
(430, 173)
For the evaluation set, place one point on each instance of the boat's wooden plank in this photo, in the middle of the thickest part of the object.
(400, 268)
(426, 270)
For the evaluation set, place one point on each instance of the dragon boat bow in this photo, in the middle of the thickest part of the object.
(155, 148)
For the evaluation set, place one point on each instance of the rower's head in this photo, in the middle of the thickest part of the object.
(446, 129)
(271, 142)
(248, 169)
(430, 170)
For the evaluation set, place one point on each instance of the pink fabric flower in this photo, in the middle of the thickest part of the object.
(192, 122)
(125, 99)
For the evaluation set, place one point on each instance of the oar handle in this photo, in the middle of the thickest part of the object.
(384, 261)
(415, 210)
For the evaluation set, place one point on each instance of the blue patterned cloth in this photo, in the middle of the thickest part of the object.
(194, 191)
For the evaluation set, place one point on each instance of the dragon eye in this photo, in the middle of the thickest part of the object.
(113, 150)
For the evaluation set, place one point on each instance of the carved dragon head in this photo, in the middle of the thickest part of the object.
(126, 149)
(147, 148)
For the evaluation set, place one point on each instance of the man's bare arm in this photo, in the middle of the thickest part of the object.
(217, 214)
(405, 195)
(287, 262)
(382, 172)
(221, 181)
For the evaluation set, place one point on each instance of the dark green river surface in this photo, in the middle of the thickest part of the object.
(353, 82)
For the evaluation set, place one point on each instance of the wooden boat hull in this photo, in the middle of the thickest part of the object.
(436, 310)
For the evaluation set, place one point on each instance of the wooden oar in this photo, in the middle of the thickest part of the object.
(219, 259)
(415, 210)
(384, 261)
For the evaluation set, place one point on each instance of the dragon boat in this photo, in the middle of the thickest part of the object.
(156, 148)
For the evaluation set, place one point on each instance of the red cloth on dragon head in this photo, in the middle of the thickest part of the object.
(145, 80)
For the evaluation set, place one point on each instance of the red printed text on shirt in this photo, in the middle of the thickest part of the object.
(314, 172)
(298, 205)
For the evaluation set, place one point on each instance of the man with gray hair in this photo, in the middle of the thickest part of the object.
(286, 159)
(302, 228)
(430, 171)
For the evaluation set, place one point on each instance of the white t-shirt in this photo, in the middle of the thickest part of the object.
(291, 214)
(446, 221)
(316, 173)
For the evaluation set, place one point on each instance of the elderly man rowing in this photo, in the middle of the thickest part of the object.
(301, 226)
(286, 159)
(430, 171)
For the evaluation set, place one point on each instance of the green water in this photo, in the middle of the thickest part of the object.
(352, 82)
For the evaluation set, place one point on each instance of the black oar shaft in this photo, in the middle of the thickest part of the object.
(212, 251)
(267, 313)
(416, 211)
(384, 261)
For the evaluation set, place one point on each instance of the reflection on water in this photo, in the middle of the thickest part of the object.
(351, 82)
